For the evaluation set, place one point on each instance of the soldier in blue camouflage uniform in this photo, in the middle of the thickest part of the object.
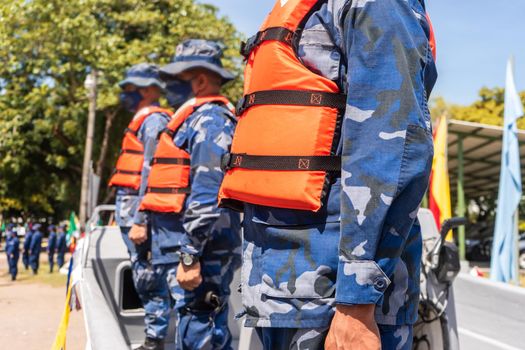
(27, 243)
(142, 88)
(12, 250)
(35, 247)
(349, 274)
(208, 237)
(61, 245)
(51, 246)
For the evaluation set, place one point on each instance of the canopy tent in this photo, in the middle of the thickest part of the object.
(474, 159)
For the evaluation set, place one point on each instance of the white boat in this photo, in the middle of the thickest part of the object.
(114, 318)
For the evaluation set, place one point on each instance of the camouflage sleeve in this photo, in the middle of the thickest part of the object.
(147, 134)
(386, 142)
(208, 135)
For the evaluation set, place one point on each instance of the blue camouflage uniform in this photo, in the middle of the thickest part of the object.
(12, 250)
(35, 248)
(61, 246)
(202, 229)
(213, 234)
(364, 245)
(51, 247)
(27, 244)
(147, 282)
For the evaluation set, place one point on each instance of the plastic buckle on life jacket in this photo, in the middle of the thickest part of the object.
(241, 107)
(248, 45)
(226, 161)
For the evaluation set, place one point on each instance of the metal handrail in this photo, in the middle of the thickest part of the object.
(91, 224)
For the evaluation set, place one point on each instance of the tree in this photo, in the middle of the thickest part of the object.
(47, 47)
(488, 109)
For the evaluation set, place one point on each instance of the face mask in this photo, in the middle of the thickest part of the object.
(130, 100)
(178, 92)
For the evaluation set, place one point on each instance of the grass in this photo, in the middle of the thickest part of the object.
(54, 279)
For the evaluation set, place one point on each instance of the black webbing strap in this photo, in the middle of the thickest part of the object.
(131, 131)
(168, 131)
(275, 33)
(292, 97)
(164, 190)
(127, 172)
(174, 161)
(131, 151)
(287, 163)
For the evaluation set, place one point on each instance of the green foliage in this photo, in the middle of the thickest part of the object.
(47, 47)
(487, 110)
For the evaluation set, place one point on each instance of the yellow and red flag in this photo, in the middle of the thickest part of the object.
(439, 194)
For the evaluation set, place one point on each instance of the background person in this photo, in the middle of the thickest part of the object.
(35, 248)
(27, 245)
(206, 237)
(12, 250)
(61, 245)
(51, 246)
(141, 91)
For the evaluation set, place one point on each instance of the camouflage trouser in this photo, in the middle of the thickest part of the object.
(34, 261)
(13, 265)
(51, 260)
(392, 338)
(152, 288)
(202, 319)
(60, 259)
(25, 259)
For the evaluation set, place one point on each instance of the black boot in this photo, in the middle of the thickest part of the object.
(13, 278)
(152, 344)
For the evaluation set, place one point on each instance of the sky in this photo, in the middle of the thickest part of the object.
(475, 38)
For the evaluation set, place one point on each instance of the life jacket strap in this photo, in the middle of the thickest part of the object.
(167, 190)
(130, 151)
(131, 131)
(284, 163)
(174, 161)
(127, 172)
(281, 34)
(292, 97)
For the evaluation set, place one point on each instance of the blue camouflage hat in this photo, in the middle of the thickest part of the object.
(143, 75)
(198, 53)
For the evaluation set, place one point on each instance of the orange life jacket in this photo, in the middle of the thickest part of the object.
(285, 142)
(128, 170)
(169, 178)
(288, 129)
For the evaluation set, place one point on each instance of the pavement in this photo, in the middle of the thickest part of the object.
(491, 316)
(31, 309)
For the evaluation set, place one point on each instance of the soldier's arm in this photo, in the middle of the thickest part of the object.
(209, 137)
(149, 131)
(386, 142)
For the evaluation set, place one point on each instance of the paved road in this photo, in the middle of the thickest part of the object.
(490, 316)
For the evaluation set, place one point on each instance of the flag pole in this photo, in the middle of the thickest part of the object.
(516, 254)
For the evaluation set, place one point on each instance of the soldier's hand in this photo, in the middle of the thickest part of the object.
(189, 277)
(353, 327)
(138, 234)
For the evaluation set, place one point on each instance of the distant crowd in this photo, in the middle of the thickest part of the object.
(28, 240)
